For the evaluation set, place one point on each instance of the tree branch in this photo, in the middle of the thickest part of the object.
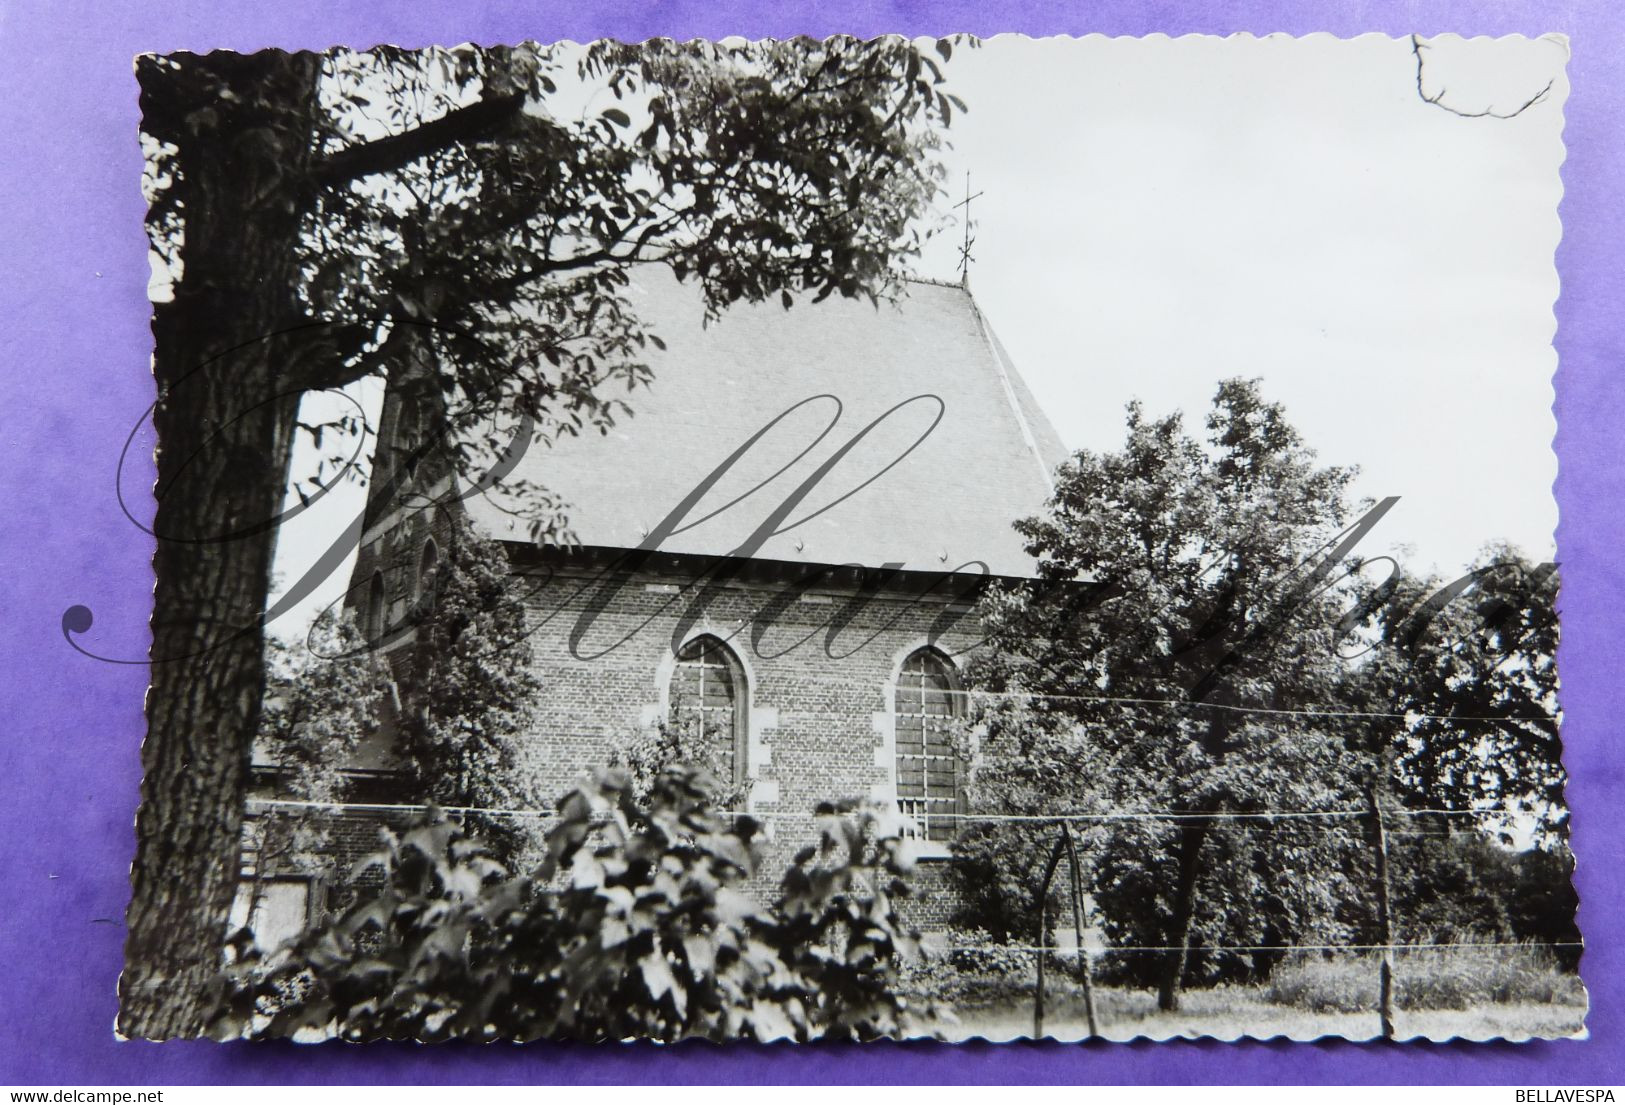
(510, 284)
(385, 154)
(1437, 99)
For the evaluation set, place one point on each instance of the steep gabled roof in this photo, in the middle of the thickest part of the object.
(955, 451)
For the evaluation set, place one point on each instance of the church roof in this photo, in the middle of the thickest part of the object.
(897, 435)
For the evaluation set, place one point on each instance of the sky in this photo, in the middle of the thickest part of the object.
(1158, 214)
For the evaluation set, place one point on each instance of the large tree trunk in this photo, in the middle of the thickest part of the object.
(225, 422)
(1192, 835)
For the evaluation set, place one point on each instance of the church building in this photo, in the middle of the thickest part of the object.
(784, 540)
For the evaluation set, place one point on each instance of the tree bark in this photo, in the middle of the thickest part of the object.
(1043, 936)
(225, 423)
(1192, 835)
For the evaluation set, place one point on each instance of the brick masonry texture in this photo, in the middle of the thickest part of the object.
(820, 666)
(818, 698)
(820, 657)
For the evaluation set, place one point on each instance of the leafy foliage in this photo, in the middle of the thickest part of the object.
(649, 751)
(471, 699)
(1199, 601)
(1191, 589)
(970, 968)
(323, 698)
(1473, 662)
(476, 212)
(1464, 886)
(634, 926)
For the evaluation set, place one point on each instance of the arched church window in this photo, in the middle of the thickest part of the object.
(373, 621)
(708, 700)
(428, 566)
(930, 775)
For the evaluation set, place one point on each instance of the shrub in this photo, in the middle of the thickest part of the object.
(472, 692)
(975, 951)
(973, 969)
(633, 927)
(646, 752)
(1442, 976)
(1466, 881)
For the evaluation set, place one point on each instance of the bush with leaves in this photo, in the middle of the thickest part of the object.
(323, 697)
(473, 691)
(1462, 886)
(971, 968)
(634, 926)
(649, 751)
(1188, 603)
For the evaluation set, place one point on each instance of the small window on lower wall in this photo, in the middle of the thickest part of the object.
(930, 774)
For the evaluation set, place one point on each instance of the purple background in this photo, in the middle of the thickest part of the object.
(74, 374)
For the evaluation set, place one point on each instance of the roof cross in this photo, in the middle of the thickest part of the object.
(965, 257)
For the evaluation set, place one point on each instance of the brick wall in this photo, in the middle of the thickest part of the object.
(349, 837)
(819, 663)
(819, 650)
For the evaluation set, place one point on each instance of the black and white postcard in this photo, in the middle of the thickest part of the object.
(855, 539)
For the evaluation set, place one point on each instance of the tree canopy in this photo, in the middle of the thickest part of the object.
(458, 214)
(1467, 671)
(471, 692)
(1206, 661)
(479, 210)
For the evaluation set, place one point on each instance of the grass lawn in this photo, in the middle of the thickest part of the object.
(1234, 1012)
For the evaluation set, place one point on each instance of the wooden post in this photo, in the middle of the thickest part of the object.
(1385, 918)
(1038, 994)
(1077, 922)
